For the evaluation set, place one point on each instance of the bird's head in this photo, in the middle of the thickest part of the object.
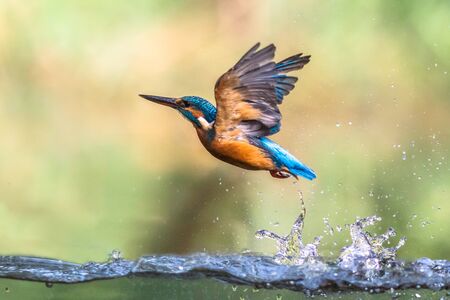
(197, 110)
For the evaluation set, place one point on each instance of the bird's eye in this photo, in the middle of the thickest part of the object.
(182, 103)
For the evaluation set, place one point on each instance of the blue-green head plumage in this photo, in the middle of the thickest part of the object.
(199, 104)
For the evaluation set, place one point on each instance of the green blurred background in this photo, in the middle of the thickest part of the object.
(87, 167)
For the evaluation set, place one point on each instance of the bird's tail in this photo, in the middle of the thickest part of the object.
(302, 170)
(284, 159)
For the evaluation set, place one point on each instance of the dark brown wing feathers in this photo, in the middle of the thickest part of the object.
(248, 94)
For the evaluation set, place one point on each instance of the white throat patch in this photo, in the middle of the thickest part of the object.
(205, 124)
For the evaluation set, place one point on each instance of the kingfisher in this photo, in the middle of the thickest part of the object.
(247, 98)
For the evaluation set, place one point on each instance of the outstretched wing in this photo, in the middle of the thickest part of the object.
(248, 95)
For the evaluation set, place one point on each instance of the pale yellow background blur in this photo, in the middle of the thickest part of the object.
(86, 166)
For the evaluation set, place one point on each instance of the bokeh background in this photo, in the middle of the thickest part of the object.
(86, 166)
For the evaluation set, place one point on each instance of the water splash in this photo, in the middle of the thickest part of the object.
(367, 251)
(291, 249)
(364, 265)
(236, 269)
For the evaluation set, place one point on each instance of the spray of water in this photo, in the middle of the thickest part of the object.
(366, 252)
(291, 249)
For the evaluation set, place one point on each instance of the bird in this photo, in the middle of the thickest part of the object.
(247, 97)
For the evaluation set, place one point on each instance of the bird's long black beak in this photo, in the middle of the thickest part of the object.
(161, 100)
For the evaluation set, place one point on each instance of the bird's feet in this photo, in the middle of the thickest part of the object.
(280, 174)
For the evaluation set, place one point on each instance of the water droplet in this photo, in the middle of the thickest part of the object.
(7, 290)
(338, 125)
(115, 255)
(328, 229)
(425, 223)
(404, 155)
(49, 284)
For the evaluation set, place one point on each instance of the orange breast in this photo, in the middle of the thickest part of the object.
(239, 153)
